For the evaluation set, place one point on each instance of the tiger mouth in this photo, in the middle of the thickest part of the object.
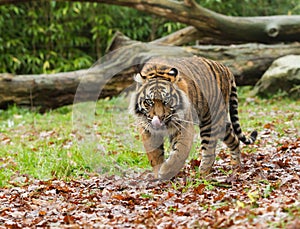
(162, 127)
(157, 124)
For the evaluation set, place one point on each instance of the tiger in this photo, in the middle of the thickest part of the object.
(174, 94)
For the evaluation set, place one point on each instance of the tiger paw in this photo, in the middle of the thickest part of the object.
(167, 172)
(206, 165)
(204, 171)
(156, 171)
(236, 161)
(236, 166)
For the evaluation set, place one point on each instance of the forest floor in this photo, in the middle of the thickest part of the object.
(48, 180)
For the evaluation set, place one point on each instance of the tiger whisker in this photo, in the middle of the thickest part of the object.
(182, 120)
(175, 125)
(145, 128)
(179, 124)
(169, 116)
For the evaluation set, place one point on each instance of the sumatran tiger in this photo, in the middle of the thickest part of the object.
(172, 95)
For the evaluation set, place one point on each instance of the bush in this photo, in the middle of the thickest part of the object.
(50, 36)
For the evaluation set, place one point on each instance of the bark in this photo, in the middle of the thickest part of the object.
(113, 73)
(247, 61)
(180, 37)
(268, 29)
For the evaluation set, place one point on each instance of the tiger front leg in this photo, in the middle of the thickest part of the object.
(154, 146)
(181, 143)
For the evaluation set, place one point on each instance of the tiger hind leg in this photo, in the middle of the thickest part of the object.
(208, 147)
(208, 157)
(233, 143)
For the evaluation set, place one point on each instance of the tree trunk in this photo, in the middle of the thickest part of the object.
(113, 73)
(268, 29)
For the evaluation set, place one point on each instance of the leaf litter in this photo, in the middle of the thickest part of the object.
(263, 194)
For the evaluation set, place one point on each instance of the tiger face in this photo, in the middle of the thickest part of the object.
(160, 105)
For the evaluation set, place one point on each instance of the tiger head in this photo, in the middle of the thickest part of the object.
(155, 69)
(163, 68)
(159, 104)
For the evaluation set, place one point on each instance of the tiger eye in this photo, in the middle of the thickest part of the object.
(166, 100)
(148, 102)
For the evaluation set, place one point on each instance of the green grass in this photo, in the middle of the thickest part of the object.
(280, 113)
(47, 145)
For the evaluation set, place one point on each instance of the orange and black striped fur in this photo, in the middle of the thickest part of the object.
(174, 94)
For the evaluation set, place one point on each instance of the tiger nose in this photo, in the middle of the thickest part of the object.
(156, 123)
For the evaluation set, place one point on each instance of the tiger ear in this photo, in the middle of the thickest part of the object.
(173, 73)
(139, 78)
(139, 67)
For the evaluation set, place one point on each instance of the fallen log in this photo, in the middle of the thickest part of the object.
(113, 73)
(108, 77)
(248, 62)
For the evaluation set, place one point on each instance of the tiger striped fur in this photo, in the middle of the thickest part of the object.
(174, 94)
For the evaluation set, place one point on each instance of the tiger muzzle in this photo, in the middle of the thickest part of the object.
(156, 123)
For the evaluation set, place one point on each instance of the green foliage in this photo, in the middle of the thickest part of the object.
(55, 36)
(50, 36)
(252, 7)
(42, 37)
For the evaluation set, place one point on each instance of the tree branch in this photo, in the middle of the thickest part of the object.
(180, 37)
(269, 29)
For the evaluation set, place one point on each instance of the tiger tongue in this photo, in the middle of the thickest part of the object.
(156, 123)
